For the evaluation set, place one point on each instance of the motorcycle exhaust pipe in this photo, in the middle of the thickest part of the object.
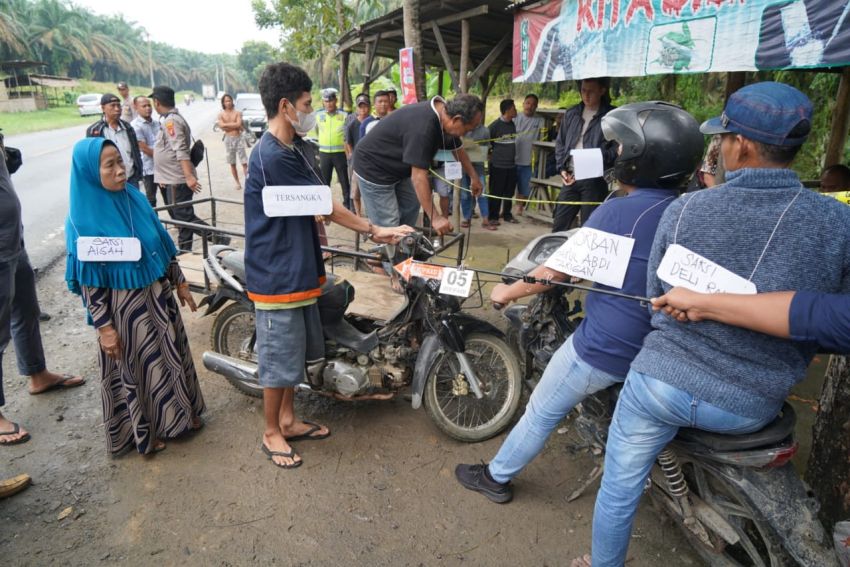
(232, 368)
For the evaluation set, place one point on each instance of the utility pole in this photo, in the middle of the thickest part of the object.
(223, 79)
(150, 59)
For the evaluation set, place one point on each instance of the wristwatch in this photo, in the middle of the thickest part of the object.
(370, 232)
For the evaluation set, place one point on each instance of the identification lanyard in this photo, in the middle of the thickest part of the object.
(109, 248)
(452, 169)
(683, 267)
(295, 200)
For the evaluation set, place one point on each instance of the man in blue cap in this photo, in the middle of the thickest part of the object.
(773, 235)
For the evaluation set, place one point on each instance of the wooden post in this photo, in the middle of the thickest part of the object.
(344, 85)
(463, 87)
(734, 81)
(440, 82)
(840, 122)
(464, 57)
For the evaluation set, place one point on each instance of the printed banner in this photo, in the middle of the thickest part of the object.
(577, 39)
(408, 85)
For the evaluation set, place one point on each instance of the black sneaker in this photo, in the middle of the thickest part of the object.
(477, 478)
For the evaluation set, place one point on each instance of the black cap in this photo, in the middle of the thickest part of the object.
(363, 99)
(109, 99)
(163, 94)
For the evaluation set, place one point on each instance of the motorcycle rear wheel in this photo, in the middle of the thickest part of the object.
(759, 545)
(231, 334)
(461, 415)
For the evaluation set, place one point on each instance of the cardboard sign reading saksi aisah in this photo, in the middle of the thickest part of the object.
(594, 255)
(685, 268)
(453, 170)
(297, 200)
(108, 249)
(456, 282)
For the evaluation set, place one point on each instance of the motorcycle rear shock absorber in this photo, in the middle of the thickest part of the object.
(676, 483)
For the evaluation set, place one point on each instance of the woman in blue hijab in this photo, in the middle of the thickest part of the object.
(122, 261)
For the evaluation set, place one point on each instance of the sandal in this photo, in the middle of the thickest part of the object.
(488, 226)
(464, 224)
(61, 384)
(308, 435)
(15, 430)
(288, 455)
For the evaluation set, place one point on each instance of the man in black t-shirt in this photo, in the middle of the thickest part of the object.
(502, 163)
(392, 162)
(351, 137)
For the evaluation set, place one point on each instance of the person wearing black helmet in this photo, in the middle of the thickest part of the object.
(659, 147)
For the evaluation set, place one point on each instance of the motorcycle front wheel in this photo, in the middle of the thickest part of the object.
(232, 334)
(450, 402)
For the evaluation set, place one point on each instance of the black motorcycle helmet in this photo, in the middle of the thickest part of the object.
(661, 144)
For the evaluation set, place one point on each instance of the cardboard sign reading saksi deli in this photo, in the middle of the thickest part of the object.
(685, 268)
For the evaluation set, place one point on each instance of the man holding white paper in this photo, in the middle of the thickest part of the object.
(581, 130)
(283, 259)
(619, 237)
(770, 232)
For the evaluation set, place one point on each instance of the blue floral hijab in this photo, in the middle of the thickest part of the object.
(96, 211)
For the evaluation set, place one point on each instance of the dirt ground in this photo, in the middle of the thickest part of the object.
(379, 491)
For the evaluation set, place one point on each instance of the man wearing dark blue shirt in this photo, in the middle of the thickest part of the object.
(283, 261)
(598, 354)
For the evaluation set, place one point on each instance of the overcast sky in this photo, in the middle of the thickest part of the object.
(198, 25)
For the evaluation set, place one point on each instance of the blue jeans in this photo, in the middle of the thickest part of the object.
(648, 415)
(390, 205)
(566, 382)
(19, 317)
(467, 204)
(523, 180)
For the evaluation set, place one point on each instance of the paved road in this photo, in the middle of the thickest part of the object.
(42, 182)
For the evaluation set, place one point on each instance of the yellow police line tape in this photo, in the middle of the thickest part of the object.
(519, 200)
(509, 136)
(842, 196)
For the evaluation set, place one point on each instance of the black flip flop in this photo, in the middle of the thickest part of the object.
(61, 384)
(308, 435)
(14, 431)
(289, 455)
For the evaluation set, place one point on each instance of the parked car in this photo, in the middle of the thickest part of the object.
(253, 113)
(89, 104)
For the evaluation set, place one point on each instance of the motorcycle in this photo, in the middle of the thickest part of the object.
(456, 365)
(736, 498)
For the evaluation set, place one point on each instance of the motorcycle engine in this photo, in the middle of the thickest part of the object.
(344, 378)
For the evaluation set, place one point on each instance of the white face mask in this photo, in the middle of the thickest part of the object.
(304, 122)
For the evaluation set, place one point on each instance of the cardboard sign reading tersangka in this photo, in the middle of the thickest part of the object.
(297, 200)
(594, 255)
(685, 268)
(108, 249)
(587, 164)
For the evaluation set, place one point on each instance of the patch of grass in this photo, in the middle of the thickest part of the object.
(50, 119)
(65, 116)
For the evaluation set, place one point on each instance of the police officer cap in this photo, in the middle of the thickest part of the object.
(329, 93)
(163, 94)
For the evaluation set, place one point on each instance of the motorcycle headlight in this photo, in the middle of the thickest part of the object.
(545, 248)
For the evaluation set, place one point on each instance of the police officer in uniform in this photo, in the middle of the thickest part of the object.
(172, 162)
(330, 127)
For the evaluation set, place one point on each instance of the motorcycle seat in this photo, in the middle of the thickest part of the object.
(235, 262)
(773, 433)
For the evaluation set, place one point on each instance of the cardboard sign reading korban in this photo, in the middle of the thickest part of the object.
(594, 255)
(685, 268)
(297, 200)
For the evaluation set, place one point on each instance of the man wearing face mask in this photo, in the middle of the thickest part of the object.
(393, 160)
(283, 261)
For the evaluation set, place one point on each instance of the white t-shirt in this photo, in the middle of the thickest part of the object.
(586, 115)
